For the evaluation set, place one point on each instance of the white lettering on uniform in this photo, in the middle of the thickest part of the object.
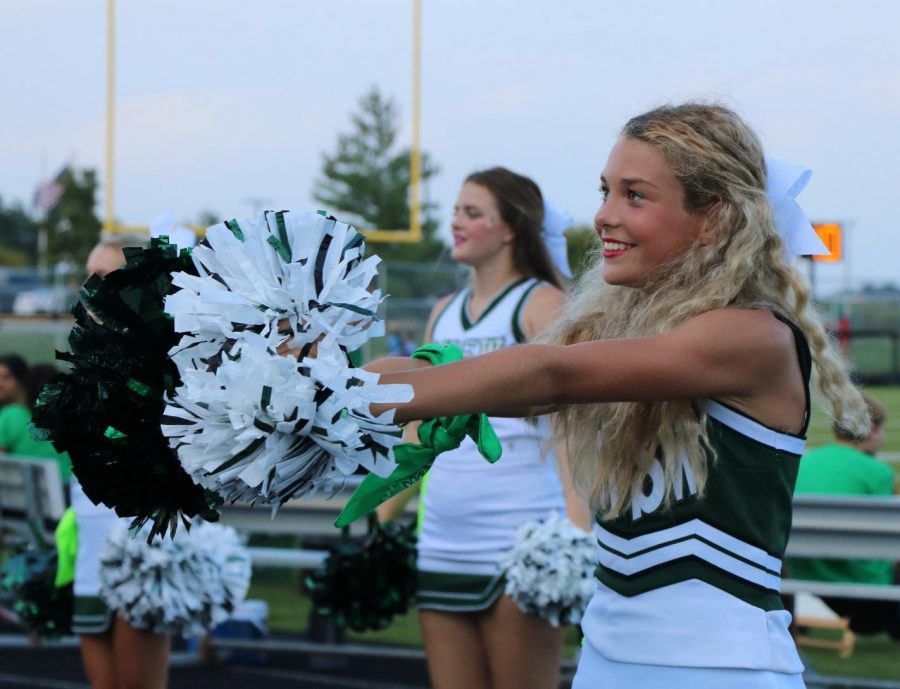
(642, 503)
(473, 346)
(687, 474)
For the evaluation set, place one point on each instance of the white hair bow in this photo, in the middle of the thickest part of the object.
(784, 182)
(556, 222)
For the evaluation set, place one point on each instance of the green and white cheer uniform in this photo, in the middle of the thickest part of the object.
(690, 594)
(472, 508)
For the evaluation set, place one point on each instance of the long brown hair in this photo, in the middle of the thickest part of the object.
(521, 205)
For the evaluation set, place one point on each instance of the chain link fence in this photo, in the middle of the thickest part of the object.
(35, 305)
(412, 290)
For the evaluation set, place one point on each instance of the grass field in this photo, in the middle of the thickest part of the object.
(876, 657)
(35, 339)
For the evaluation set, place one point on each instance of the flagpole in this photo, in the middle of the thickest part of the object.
(109, 222)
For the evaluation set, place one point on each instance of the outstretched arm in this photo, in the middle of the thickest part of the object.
(729, 353)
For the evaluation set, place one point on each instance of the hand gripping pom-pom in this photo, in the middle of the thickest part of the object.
(252, 425)
(187, 584)
(550, 570)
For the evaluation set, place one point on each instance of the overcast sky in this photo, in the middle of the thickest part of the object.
(224, 101)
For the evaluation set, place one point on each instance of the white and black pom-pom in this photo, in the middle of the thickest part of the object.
(186, 584)
(253, 425)
(550, 570)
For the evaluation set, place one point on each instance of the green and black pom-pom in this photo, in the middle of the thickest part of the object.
(28, 581)
(105, 412)
(363, 585)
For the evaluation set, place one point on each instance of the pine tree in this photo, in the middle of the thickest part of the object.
(366, 181)
(72, 226)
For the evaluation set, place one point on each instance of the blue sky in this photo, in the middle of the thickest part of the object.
(221, 102)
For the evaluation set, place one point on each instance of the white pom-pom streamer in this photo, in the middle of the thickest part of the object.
(255, 426)
(302, 267)
(186, 584)
(550, 570)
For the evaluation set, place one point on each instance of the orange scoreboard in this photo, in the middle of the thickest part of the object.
(831, 234)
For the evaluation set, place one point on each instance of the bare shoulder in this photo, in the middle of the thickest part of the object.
(436, 311)
(754, 332)
(546, 297)
(441, 304)
(761, 351)
(542, 308)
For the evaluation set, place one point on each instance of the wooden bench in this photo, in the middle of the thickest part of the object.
(811, 612)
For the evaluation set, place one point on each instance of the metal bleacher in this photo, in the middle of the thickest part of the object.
(31, 492)
(31, 496)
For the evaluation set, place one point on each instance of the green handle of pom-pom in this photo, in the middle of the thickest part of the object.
(435, 435)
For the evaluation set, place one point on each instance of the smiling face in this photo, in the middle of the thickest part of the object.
(479, 233)
(642, 221)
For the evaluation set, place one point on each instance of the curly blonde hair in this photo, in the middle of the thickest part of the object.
(719, 163)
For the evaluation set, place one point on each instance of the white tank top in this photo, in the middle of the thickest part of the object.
(499, 326)
(472, 508)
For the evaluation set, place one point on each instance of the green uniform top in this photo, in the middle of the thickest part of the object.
(695, 583)
(15, 439)
(843, 470)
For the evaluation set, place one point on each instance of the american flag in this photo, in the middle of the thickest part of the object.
(48, 194)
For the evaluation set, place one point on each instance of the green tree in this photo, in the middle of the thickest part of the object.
(18, 236)
(367, 180)
(72, 226)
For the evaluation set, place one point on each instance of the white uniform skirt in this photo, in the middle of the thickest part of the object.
(470, 515)
(91, 615)
(598, 672)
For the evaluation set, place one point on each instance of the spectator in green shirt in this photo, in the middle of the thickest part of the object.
(12, 379)
(15, 419)
(849, 467)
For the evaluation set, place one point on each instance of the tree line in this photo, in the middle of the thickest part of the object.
(365, 180)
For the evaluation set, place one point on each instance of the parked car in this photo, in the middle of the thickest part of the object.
(56, 299)
(12, 282)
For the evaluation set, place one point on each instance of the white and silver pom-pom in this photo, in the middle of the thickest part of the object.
(187, 584)
(550, 570)
(255, 426)
(305, 268)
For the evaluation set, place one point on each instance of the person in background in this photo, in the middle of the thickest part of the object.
(844, 332)
(409, 343)
(15, 419)
(115, 654)
(12, 379)
(849, 467)
(395, 344)
(475, 635)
